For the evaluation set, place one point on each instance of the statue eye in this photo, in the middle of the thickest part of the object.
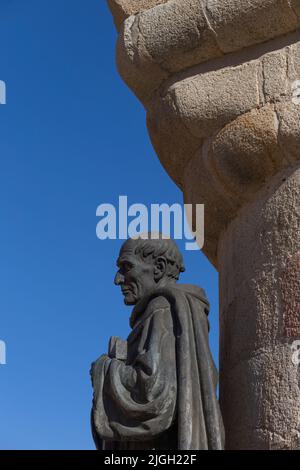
(126, 266)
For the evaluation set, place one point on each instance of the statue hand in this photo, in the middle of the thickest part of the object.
(117, 348)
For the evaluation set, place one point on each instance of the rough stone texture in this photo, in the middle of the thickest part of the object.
(260, 316)
(178, 34)
(204, 99)
(121, 9)
(290, 297)
(239, 23)
(217, 79)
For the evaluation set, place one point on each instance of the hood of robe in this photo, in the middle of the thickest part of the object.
(190, 290)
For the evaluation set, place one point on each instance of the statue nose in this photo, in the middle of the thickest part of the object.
(118, 278)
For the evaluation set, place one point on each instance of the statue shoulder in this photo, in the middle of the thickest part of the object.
(158, 303)
(148, 308)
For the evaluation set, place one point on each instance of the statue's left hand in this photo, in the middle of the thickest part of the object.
(117, 348)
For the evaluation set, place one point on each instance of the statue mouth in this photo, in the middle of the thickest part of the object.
(125, 291)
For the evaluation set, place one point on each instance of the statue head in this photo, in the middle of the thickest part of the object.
(147, 264)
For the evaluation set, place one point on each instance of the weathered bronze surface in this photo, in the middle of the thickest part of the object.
(157, 389)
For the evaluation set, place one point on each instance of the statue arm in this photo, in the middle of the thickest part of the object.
(137, 401)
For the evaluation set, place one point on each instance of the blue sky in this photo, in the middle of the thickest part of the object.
(73, 136)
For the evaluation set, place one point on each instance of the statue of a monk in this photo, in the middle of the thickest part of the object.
(157, 389)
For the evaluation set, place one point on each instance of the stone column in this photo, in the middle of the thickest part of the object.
(218, 79)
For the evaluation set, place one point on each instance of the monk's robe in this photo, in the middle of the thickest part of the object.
(163, 395)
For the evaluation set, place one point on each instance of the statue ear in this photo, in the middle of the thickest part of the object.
(160, 268)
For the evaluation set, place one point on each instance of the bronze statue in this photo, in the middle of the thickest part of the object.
(157, 389)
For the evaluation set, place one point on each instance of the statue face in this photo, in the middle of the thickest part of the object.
(135, 277)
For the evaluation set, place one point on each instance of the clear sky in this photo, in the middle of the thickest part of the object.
(73, 136)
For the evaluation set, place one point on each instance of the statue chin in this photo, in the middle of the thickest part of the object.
(129, 299)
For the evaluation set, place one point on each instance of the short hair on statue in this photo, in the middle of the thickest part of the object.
(156, 245)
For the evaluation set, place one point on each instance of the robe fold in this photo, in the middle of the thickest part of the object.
(163, 396)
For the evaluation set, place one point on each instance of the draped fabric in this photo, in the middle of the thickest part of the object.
(163, 396)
